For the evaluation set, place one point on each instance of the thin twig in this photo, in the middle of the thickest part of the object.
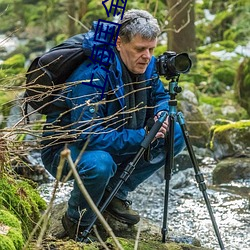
(138, 236)
(45, 217)
(99, 238)
(77, 21)
(66, 154)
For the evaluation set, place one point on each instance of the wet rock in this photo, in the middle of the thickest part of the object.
(149, 233)
(232, 139)
(231, 169)
(181, 179)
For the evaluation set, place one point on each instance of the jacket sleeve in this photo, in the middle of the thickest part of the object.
(88, 119)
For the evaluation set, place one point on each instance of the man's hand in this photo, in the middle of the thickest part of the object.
(164, 128)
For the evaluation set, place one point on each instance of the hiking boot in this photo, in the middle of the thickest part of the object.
(121, 211)
(75, 231)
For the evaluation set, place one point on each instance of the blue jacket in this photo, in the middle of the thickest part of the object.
(102, 122)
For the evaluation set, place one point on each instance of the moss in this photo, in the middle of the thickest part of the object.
(13, 239)
(225, 75)
(212, 100)
(236, 125)
(16, 237)
(8, 219)
(128, 244)
(22, 200)
(13, 71)
(6, 243)
(238, 128)
(16, 61)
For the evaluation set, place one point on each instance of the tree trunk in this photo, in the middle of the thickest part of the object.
(181, 27)
(83, 7)
(72, 13)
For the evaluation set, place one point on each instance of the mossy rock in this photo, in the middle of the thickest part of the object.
(128, 244)
(21, 199)
(11, 237)
(232, 139)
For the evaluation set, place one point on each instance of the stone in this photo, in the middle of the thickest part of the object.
(231, 169)
(230, 140)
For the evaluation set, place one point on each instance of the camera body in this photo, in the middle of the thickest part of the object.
(171, 65)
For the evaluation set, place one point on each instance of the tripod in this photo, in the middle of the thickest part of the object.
(173, 90)
(169, 163)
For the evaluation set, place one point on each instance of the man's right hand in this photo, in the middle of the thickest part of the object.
(164, 128)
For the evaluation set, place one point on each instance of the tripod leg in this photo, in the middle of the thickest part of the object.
(129, 168)
(168, 173)
(199, 176)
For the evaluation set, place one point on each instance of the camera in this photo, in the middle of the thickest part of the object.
(171, 65)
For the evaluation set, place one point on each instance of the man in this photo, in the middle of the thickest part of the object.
(112, 127)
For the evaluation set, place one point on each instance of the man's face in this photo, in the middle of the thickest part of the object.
(137, 53)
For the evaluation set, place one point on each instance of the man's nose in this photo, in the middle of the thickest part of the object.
(146, 54)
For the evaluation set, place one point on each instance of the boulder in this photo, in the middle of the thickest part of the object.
(231, 169)
(197, 125)
(150, 235)
(230, 140)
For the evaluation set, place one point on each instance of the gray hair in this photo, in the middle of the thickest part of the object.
(138, 22)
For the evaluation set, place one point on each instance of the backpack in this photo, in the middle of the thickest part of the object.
(47, 74)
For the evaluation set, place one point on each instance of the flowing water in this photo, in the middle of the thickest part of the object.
(187, 212)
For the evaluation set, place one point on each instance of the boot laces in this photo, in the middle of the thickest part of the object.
(127, 203)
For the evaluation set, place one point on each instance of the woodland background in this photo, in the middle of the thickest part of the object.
(215, 34)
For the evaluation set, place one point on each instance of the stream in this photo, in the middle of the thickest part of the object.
(187, 212)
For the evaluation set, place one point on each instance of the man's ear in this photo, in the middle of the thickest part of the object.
(118, 43)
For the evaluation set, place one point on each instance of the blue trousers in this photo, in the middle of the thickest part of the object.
(100, 170)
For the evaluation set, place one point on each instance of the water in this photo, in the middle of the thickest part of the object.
(187, 212)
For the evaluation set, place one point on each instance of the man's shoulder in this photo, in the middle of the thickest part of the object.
(151, 69)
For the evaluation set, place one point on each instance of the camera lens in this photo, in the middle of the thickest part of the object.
(182, 63)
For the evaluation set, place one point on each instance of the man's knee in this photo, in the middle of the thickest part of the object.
(97, 165)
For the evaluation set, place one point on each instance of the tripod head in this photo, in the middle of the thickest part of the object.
(171, 65)
(174, 89)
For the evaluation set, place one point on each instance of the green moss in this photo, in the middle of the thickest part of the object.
(16, 237)
(9, 219)
(13, 71)
(239, 128)
(14, 234)
(22, 200)
(16, 61)
(128, 244)
(225, 75)
(236, 125)
(212, 100)
(6, 243)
